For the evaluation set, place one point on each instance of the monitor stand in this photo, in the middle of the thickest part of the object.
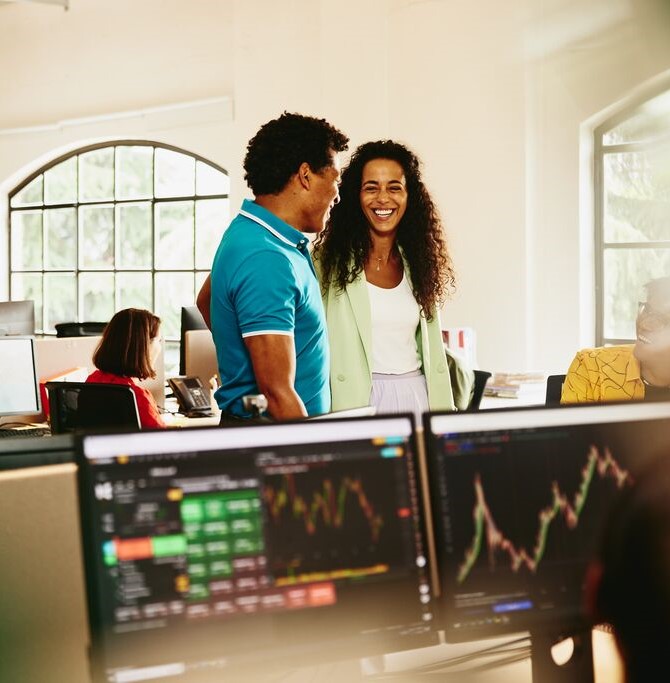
(577, 669)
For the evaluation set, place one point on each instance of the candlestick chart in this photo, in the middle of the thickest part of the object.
(333, 517)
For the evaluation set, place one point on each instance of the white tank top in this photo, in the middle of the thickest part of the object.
(395, 315)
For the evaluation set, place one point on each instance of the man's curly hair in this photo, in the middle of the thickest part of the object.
(343, 247)
(275, 153)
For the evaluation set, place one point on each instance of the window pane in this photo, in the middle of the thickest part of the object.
(171, 358)
(133, 234)
(211, 219)
(175, 174)
(96, 241)
(637, 196)
(209, 180)
(29, 286)
(26, 240)
(96, 296)
(30, 194)
(626, 273)
(61, 236)
(200, 277)
(60, 300)
(134, 172)
(134, 290)
(60, 183)
(96, 174)
(174, 235)
(173, 290)
(650, 123)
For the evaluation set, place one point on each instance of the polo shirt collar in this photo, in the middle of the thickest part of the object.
(281, 230)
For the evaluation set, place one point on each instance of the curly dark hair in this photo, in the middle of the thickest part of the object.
(343, 247)
(275, 153)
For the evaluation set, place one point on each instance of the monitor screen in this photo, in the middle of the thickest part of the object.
(191, 319)
(518, 498)
(19, 388)
(259, 545)
(17, 317)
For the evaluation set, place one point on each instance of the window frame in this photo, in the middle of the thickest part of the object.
(633, 107)
(151, 200)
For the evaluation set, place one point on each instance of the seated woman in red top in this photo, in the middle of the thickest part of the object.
(127, 350)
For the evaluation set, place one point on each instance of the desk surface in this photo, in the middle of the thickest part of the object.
(607, 663)
(174, 419)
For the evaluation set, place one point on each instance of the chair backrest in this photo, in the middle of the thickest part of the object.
(85, 329)
(481, 377)
(88, 406)
(554, 387)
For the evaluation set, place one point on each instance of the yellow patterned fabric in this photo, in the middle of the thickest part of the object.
(609, 373)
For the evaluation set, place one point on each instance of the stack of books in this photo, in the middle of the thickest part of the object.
(515, 384)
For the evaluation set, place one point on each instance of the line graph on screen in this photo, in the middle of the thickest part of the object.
(487, 533)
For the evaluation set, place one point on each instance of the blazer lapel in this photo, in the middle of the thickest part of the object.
(360, 304)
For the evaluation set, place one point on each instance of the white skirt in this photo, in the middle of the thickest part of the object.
(407, 393)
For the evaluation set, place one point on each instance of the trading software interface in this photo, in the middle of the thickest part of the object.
(518, 502)
(204, 545)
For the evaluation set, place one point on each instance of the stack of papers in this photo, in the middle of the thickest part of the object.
(515, 384)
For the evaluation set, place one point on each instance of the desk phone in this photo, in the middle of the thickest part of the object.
(192, 396)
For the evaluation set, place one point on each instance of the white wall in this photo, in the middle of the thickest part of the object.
(492, 95)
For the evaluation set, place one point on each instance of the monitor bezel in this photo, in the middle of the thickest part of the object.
(522, 417)
(312, 654)
(35, 381)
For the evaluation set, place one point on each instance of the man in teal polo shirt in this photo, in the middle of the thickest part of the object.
(266, 312)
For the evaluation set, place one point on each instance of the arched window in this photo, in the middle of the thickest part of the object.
(114, 225)
(632, 212)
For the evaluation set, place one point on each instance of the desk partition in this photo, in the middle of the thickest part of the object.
(43, 629)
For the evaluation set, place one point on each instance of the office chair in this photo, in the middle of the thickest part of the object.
(554, 387)
(87, 406)
(86, 329)
(481, 377)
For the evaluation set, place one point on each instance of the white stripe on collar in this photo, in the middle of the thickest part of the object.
(268, 227)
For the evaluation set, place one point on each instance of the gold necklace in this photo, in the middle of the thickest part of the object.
(379, 260)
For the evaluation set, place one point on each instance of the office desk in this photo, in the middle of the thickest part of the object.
(607, 663)
(533, 399)
(399, 666)
(172, 419)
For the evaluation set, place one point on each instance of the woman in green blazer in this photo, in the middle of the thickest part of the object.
(385, 270)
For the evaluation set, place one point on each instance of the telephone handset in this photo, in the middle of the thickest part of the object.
(192, 396)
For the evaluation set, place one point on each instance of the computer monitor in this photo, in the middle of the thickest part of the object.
(213, 551)
(17, 317)
(518, 498)
(191, 319)
(19, 387)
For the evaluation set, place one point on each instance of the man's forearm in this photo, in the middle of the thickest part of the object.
(283, 403)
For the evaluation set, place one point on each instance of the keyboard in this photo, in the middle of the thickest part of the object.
(25, 432)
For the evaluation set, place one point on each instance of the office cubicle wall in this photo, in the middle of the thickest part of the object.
(56, 355)
(43, 629)
(200, 356)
